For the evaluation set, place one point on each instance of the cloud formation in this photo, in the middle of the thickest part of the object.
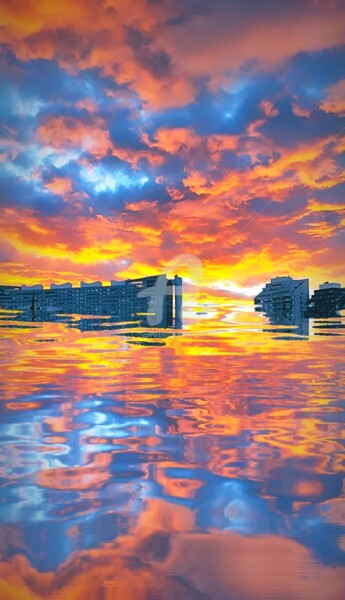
(135, 132)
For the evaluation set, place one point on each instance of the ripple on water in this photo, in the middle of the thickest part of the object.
(148, 466)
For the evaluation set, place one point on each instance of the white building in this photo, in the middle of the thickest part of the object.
(285, 296)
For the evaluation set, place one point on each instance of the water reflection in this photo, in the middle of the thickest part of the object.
(208, 467)
(288, 324)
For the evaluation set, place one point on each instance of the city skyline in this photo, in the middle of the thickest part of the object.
(127, 141)
(112, 282)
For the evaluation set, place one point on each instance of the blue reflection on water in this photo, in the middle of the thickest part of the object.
(77, 468)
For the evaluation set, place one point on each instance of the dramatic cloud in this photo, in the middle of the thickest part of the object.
(135, 132)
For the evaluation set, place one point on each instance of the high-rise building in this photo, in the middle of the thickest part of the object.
(154, 301)
(285, 298)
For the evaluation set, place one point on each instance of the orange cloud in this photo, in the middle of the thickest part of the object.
(61, 186)
(268, 108)
(232, 42)
(98, 37)
(68, 132)
(299, 111)
(173, 140)
(335, 99)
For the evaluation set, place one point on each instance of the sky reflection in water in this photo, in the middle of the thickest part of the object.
(203, 465)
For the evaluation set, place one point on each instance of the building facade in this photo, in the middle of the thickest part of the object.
(284, 298)
(153, 301)
(327, 300)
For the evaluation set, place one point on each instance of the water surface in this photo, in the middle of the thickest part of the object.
(207, 463)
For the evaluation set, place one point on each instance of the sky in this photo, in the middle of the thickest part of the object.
(138, 136)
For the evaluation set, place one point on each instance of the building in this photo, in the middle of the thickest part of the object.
(30, 288)
(6, 292)
(327, 300)
(329, 286)
(284, 298)
(94, 284)
(60, 286)
(154, 301)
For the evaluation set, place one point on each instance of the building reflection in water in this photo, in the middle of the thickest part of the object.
(210, 467)
(139, 334)
(286, 323)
